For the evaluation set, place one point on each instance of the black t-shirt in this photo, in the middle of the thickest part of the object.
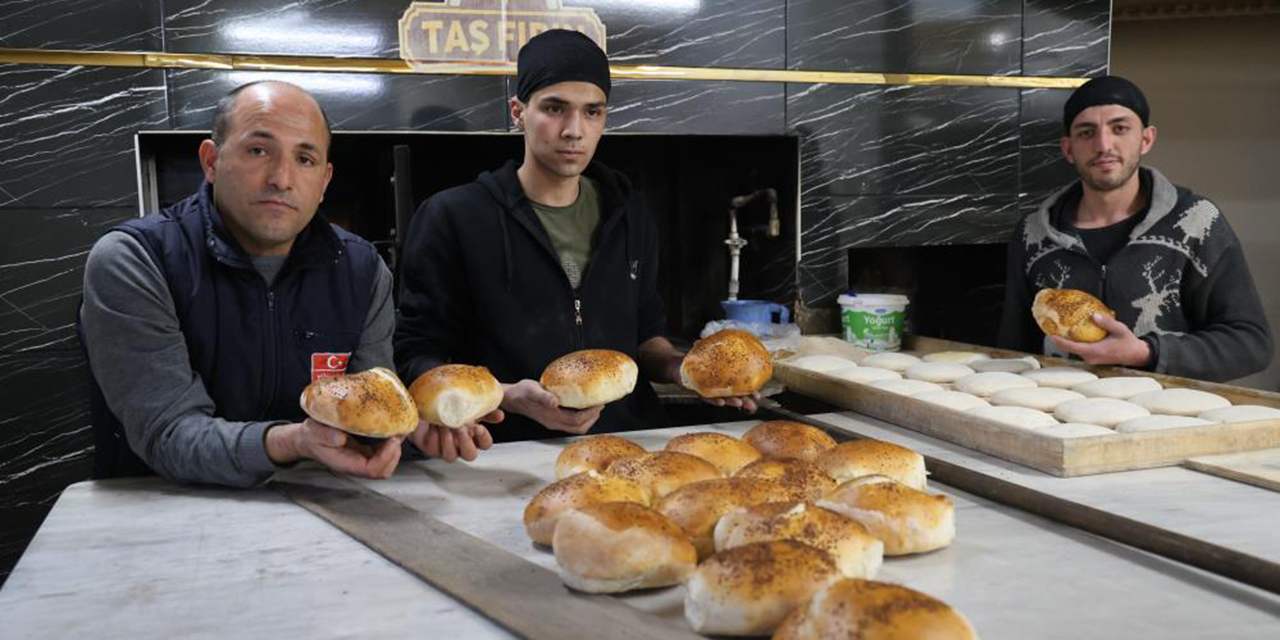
(1103, 242)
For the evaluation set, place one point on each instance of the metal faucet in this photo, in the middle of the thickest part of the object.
(736, 242)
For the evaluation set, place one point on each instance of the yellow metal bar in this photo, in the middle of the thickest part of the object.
(161, 60)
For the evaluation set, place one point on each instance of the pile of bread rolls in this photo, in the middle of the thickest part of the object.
(782, 529)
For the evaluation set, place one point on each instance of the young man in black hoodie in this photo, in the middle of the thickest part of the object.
(542, 258)
(1162, 257)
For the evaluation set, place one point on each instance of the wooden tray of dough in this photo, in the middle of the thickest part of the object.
(1058, 456)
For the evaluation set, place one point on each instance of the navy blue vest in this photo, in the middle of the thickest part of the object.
(254, 346)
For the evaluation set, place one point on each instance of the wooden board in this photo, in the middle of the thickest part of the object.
(1258, 468)
(1058, 456)
(526, 599)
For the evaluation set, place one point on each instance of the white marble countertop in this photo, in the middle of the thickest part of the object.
(146, 559)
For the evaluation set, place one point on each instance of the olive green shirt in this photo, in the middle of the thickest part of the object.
(571, 229)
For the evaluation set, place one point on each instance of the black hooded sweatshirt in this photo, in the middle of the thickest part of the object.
(483, 285)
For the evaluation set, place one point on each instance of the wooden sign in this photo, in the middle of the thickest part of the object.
(486, 31)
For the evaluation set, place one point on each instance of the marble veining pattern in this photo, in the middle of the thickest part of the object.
(905, 140)
(45, 441)
(833, 225)
(729, 33)
(357, 102)
(700, 33)
(695, 107)
(1044, 169)
(42, 271)
(66, 138)
(351, 28)
(977, 37)
(1069, 39)
(106, 25)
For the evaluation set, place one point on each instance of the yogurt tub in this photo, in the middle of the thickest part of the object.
(873, 320)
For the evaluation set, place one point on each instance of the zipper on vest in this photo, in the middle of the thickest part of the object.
(1104, 283)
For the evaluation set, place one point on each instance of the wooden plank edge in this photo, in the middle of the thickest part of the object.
(1232, 474)
(1063, 457)
(433, 551)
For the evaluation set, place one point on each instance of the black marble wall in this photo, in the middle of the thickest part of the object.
(880, 166)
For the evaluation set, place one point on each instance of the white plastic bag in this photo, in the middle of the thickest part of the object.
(774, 336)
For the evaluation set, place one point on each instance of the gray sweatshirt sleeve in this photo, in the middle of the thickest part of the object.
(138, 355)
(379, 326)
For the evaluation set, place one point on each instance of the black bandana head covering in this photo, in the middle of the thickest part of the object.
(556, 56)
(1105, 90)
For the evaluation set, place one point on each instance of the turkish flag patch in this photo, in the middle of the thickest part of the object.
(327, 365)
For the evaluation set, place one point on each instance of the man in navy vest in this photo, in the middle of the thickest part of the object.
(204, 322)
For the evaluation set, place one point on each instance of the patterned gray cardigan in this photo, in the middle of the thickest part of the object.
(1181, 283)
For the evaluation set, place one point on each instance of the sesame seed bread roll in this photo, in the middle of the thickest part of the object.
(370, 403)
(594, 454)
(613, 547)
(730, 362)
(869, 610)
(661, 472)
(727, 453)
(748, 590)
(906, 520)
(786, 439)
(574, 492)
(1068, 313)
(801, 480)
(857, 458)
(590, 378)
(456, 395)
(697, 507)
(858, 553)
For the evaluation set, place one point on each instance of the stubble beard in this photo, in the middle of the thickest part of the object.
(1109, 185)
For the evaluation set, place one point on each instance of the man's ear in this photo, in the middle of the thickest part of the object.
(328, 175)
(209, 160)
(517, 113)
(1065, 143)
(1148, 139)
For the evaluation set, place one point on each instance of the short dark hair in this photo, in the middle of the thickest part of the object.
(222, 111)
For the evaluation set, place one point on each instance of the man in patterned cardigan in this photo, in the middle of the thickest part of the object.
(1162, 257)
